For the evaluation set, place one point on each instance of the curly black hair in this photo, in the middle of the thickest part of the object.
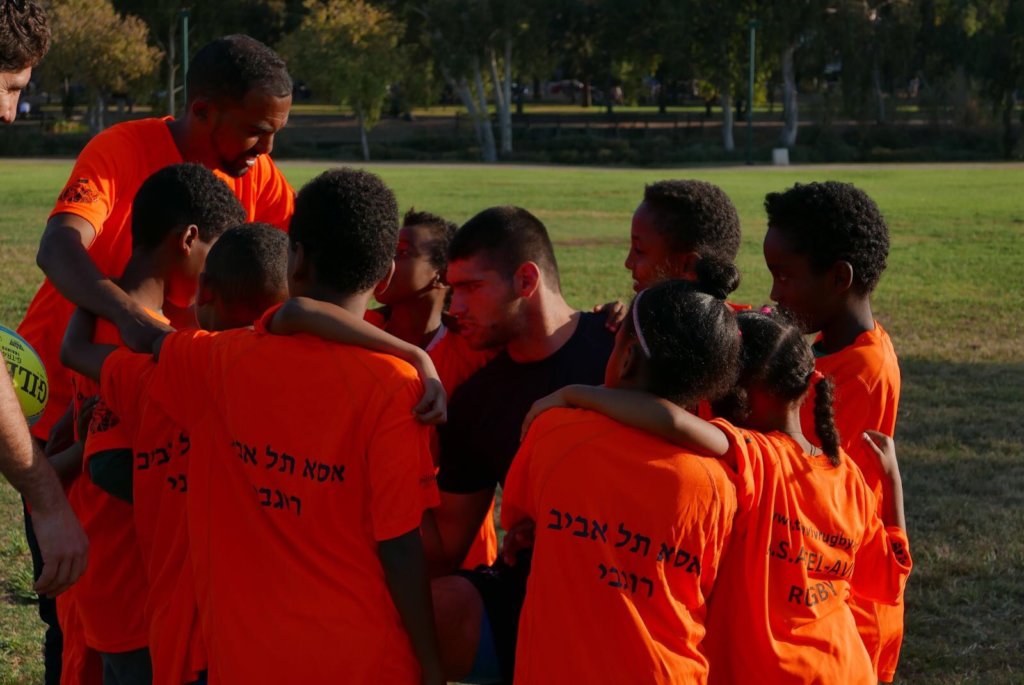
(777, 357)
(347, 222)
(441, 233)
(231, 66)
(693, 342)
(831, 222)
(698, 216)
(177, 196)
(508, 237)
(24, 34)
(248, 266)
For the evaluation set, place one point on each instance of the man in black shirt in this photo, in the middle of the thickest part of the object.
(505, 294)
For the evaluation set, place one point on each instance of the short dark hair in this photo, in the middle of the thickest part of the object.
(692, 339)
(248, 265)
(698, 216)
(777, 357)
(831, 222)
(507, 237)
(441, 233)
(231, 66)
(347, 222)
(179, 195)
(24, 34)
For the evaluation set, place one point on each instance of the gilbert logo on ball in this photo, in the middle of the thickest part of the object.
(26, 370)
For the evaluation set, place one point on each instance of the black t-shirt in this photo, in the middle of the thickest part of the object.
(486, 412)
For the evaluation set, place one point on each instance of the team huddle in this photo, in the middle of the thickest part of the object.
(284, 421)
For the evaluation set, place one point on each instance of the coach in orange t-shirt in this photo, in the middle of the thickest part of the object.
(239, 98)
(826, 247)
(316, 567)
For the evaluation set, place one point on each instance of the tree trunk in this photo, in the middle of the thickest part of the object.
(490, 153)
(1009, 135)
(363, 139)
(171, 66)
(503, 104)
(727, 138)
(586, 100)
(876, 80)
(461, 88)
(789, 107)
(506, 123)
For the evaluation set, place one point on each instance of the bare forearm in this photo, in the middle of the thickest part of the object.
(21, 460)
(330, 322)
(651, 414)
(406, 577)
(892, 504)
(66, 262)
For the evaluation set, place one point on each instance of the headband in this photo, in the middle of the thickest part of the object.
(636, 325)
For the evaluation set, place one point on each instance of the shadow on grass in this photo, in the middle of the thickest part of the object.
(961, 443)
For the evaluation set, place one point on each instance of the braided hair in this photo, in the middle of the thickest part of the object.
(777, 357)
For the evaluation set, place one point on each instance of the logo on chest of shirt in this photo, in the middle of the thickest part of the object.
(79, 191)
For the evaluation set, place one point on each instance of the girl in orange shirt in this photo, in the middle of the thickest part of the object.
(807, 536)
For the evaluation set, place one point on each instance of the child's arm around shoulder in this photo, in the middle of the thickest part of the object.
(78, 352)
(640, 410)
(892, 501)
(331, 322)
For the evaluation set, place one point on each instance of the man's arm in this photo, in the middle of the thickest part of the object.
(406, 577)
(449, 530)
(64, 258)
(61, 540)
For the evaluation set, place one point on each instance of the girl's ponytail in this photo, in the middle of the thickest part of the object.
(824, 418)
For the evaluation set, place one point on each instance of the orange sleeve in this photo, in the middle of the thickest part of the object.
(108, 430)
(276, 201)
(92, 188)
(123, 380)
(398, 461)
(883, 561)
(180, 385)
(746, 463)
(516, 500)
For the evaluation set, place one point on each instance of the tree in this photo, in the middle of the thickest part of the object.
(100, 50)
(999, 61)
(348, 50)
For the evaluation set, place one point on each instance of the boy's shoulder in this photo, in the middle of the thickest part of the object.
(871, 358)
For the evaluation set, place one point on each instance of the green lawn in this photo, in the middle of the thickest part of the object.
(952, 300)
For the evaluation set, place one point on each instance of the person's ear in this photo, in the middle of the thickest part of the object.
(685, 265)
(188, 239)
(383, 283)
(200, 109)
(842, 276)
(299, 268)
(204, 295)
(630, 364)
(526, 279)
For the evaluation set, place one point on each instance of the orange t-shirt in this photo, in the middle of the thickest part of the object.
(80, 665)
(310, 457)
(808, 538)
(456, 361)
(111, 594)
(867, 396)
(102, 185)
(160, 450)
(630, 533)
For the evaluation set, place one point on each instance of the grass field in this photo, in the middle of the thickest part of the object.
(951, 298)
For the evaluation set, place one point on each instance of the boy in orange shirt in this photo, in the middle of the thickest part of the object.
(618, 588)
(826, 248)
(178, 213)
(316, 568)
(245, 274)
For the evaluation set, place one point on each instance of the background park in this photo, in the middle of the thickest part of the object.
(616, 85)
